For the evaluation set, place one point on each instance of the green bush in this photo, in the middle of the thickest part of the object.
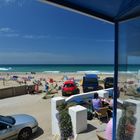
(65, 123)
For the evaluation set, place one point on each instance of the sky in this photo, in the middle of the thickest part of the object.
(32, 32)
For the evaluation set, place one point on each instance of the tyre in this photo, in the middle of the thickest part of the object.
(25, 134)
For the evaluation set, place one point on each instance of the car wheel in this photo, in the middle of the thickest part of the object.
(25, 134)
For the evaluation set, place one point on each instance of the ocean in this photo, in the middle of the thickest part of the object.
(69, 68)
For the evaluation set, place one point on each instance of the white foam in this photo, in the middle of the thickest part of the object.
(89, 72)
(5, 69)
(128, 72)
(51, 71)
(107, 73)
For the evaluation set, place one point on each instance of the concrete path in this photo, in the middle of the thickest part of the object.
(33, 105)
(93, 126)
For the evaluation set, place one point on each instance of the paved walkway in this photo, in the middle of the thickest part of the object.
(93, 126)
(33, 105)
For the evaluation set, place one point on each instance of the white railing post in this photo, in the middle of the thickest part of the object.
(54, 113)
(79, 119)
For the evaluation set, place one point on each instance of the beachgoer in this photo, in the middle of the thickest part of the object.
(4, 81)
(51, 80)
(28, 89)
(96, 102)
(108, 130)
(46, 86)
(110, 104)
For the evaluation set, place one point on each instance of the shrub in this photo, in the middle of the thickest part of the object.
(65, 123)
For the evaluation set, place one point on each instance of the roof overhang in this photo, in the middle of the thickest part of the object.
(127, 10)
(78, 9)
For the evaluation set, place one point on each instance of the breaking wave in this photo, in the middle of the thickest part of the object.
(5, 69)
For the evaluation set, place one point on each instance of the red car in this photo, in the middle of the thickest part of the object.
(69, 88)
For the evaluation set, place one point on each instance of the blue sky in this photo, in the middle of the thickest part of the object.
(32, 32)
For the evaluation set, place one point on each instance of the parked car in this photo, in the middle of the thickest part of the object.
(70, 88)
(108, 82)
(19, 127)
(90, 82)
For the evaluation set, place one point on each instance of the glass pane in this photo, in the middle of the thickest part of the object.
(129, 81)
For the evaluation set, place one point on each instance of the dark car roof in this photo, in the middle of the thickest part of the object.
(109, 79)
(91, 76)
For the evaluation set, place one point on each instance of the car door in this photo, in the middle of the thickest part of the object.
(7, 132)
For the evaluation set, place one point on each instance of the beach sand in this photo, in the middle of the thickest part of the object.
(58, 77)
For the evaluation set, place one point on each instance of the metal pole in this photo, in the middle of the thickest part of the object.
(116, 44)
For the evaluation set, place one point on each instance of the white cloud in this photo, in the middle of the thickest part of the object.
(19, 3)
(8, 32)
(35, 36)
(28, 36)
(11, 35)
(5, 30)
(7, 1)
(31, 57)
(105, 40)
(10, 0)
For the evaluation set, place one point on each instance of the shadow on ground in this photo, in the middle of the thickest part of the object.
(89, 129)
(37, 134)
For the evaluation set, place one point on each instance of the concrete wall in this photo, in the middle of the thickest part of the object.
(89, 95)
(77, 114)
(14, 91)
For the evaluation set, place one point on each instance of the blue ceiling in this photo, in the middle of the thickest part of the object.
(109, 10)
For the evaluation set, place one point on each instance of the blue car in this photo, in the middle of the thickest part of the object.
(90, 82)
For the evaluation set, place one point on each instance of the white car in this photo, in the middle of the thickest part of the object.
(19, 127)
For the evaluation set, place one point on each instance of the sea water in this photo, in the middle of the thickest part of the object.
(70, 68)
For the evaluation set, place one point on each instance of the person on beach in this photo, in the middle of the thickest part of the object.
(3, 81)
(46, 86)
(96, 102)
(108, 130)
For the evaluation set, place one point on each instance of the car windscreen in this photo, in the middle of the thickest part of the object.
(8, 119)
(68, 85)
(110, 80)
(90, 81)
